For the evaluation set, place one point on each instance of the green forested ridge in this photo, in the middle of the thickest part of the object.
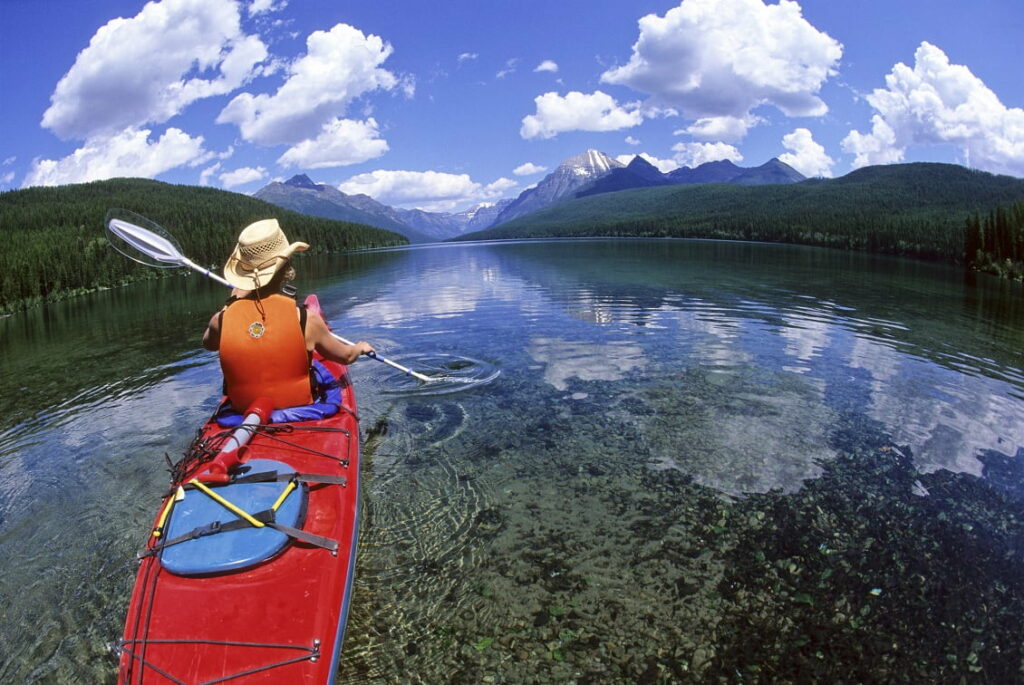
(55, 243)
(915, 210)
(996, 243)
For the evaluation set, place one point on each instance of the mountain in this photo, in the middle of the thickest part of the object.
(562, 183)
(772, 172)
(917, 210)
(639, 173)
(431, 226)
(642, 174)
(442, 225)
(721, 171)
(481, 216)
(300, 194)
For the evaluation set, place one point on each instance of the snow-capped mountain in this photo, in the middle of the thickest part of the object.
(562, 183)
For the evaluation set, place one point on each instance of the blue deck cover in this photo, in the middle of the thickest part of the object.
(237, 549)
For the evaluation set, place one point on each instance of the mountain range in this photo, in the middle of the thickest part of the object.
(300, 194)
(589, 173)
(916, 210)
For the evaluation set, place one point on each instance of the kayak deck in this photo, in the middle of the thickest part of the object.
(281, 619)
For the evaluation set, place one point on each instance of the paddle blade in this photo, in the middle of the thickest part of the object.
(141, 240)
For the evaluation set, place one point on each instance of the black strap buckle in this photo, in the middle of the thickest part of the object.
(210, 528)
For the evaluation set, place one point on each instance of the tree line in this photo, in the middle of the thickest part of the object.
(995, 243)
(55, 244)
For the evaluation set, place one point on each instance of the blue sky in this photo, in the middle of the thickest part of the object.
(443, 105)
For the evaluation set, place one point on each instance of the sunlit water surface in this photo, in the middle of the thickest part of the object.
(507, 492)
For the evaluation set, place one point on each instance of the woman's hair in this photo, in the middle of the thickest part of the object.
(283, 275)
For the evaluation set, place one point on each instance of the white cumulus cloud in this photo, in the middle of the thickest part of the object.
(547, 65)
(938, 103)
(725, 129)
(528, 169)
(465, 56)
(877, 147)
(662, 165)
(339, 65)
(695, 154)
(341, 142)
(429, 190)
(238, 177)
(578, 112)
(149, 68)
(710, 59)
(805, 154)
(128, 153)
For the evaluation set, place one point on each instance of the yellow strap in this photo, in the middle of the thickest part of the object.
(284, 495)
(228, 505)
(163, 517)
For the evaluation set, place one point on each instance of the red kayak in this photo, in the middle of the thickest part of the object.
(246, 575)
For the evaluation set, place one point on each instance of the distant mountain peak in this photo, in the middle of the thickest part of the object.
(772, 172)
(644, 169)
(561, 184)
(719, 171)
(302, 181)
(590, 163)
(639, 162)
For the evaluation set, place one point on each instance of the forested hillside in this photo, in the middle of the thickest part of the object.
(55, 245)
(916, 210)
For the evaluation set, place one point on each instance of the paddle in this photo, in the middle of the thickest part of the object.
(129, 237)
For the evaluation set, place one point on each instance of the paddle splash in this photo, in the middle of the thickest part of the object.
(447, 373)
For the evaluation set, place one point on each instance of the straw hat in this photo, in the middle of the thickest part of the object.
(261, 251)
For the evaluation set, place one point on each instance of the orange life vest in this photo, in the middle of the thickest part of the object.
(264, 357)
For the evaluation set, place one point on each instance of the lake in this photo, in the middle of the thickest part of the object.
(655, 461)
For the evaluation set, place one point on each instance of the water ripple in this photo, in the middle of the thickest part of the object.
(449, 374)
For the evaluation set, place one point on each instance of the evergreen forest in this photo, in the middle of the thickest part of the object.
(917, 210)
(55, 243)
(996, 243)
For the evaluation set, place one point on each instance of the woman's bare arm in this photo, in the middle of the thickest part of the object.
(319, 338)
(211, 336)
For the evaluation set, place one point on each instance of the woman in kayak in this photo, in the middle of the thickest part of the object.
(265, 339)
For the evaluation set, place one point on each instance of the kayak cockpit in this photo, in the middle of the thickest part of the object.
(326, 391)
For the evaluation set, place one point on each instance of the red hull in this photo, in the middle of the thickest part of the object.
(245, 626)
